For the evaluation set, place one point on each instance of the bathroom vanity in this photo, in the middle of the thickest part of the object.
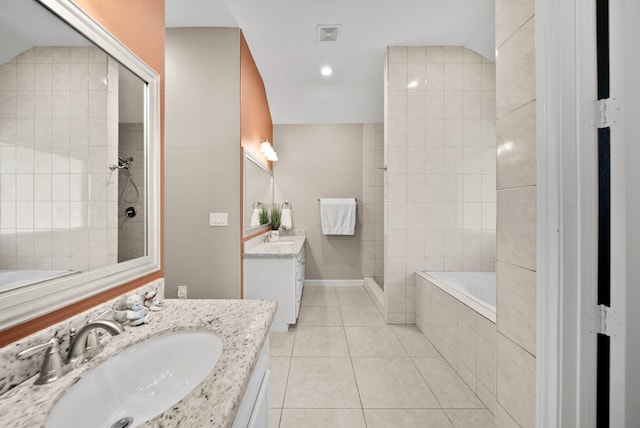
(275, 271)
(234, 393)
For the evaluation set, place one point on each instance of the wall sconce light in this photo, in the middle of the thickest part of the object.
(267, 150)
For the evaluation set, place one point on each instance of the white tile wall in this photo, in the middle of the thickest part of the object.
(373, 206)
(516, 213)
(440, 149)
(54, 180)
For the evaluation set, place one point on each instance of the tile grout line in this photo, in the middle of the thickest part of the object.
(434, 395)
(344, 331)
(286, 383)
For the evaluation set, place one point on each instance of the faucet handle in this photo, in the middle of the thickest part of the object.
(53, 366)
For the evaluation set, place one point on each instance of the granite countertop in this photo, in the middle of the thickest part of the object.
(243, 326)
(289, 246)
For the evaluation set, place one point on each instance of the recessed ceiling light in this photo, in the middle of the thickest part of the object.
(412, 84)
(326, 71)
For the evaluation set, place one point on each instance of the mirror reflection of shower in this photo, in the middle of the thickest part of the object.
(130, 172)
(129, 192)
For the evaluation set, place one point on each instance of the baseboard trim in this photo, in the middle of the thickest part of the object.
(332, 282)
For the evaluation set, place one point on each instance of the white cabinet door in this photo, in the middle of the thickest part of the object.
(256, 396)
(276, 278)
(260, 414)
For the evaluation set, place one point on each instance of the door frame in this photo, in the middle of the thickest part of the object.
(566, 214)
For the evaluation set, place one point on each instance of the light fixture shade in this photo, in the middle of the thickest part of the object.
(272, 156)
(265, 147)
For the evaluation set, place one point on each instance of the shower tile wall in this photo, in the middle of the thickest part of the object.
(58, 199)
(373, 196)
(440, 147)
(131, 242)
(516, 229)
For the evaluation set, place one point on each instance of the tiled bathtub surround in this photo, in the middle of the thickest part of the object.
(14, 371)
(57, 195)
(440, 187)
(373, 200)
(466, 339)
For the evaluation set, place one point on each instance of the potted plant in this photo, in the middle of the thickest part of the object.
(275, 220)
(264, 216)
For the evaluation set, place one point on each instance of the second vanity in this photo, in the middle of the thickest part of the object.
(275, 270)
(233, 394)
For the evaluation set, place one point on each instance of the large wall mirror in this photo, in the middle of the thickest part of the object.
(79, 160)
(257, 192)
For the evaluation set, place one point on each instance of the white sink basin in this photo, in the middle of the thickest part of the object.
(141, 382)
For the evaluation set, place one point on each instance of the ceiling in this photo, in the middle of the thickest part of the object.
(282, 37)
(25, 24)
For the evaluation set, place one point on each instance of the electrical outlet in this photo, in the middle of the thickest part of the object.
(218, 219)
(182, 291)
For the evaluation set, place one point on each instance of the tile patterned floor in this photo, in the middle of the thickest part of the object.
(342, 366)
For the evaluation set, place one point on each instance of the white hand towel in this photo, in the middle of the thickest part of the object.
(338, 216)
(286, 220)
(255, 217)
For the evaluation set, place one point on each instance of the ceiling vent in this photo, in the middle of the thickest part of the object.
(328, 33)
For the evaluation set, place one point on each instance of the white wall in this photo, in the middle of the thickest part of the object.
(321, 161)
(202, 161)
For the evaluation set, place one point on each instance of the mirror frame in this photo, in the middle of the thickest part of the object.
(250, 157)
(34, 300)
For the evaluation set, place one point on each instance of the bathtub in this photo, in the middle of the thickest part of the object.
(457, 313)
(475, 289)
(14, 278)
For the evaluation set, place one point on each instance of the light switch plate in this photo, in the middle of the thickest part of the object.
(218, 219)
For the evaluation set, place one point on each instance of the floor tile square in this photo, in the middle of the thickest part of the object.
(373, 342)
(406, 418)
(274, 418)
(321, 383)
(354, 316)
(320, 342)
(452, 392)
(392, 383)
(471, 418)
(415, 343)
(279, 367)
(281, 344)
(318, 296)
(353, 296)
(320, 316)
(322, 418)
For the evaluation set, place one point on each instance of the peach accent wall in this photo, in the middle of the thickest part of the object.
(139, 25)
(255, 116)
(255, 125)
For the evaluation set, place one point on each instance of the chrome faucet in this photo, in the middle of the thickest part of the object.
(268, 237)
(53, 366)
(84, 346)
(82, 350)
